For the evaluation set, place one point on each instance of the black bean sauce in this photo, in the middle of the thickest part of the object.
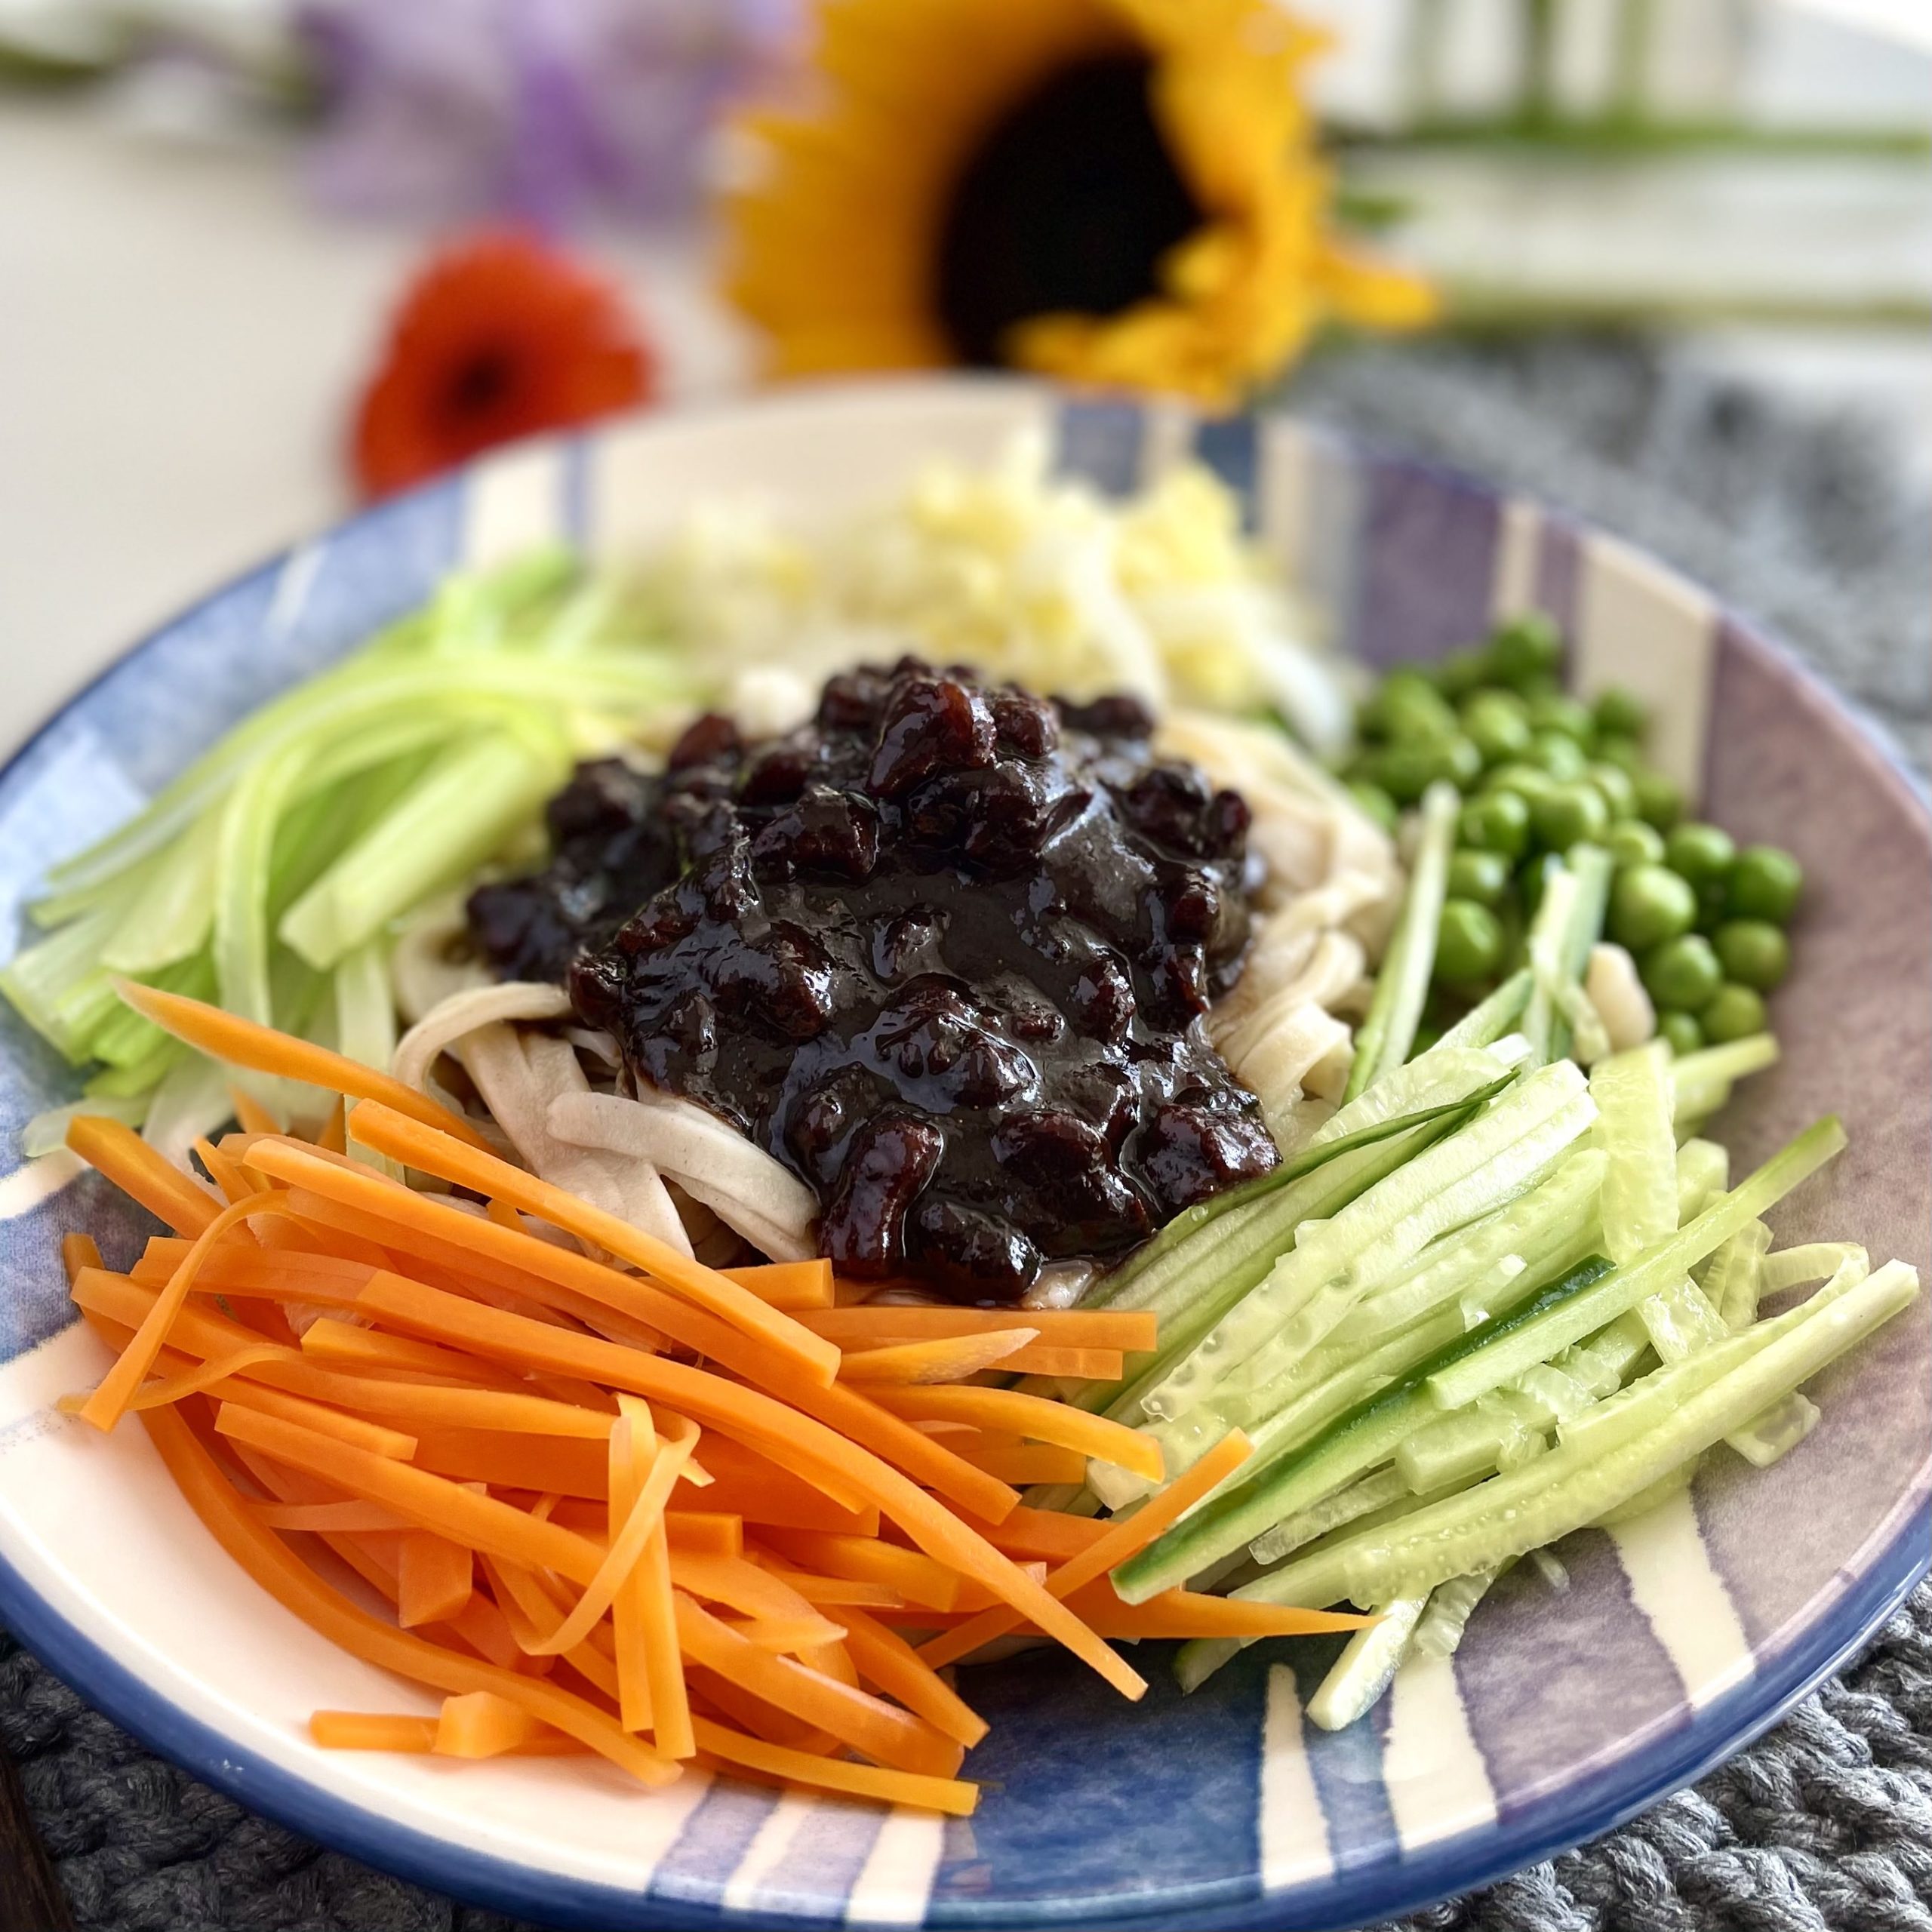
(943, 950)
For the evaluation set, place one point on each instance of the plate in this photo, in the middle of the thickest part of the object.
(1678, 1637)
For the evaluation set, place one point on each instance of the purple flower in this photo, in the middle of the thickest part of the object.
(542, 109)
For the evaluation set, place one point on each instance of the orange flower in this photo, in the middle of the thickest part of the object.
(499, 337)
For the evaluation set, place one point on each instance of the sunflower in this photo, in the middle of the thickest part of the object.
(1112, 191)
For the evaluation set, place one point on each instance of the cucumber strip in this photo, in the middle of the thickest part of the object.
(1570, 1320)
(1463, 1176)
(1490, 1019)
(1567, 923)
(1579, 1482)
(1375, 1491)
(1680, 1320)
(1659, 1492)
(1817, 1261)
(1600, 1366)
(1198, 1659)
(1735, 1281)
(1358, 1441)
(1368, 1662)
(1440, 1631)
(1703, 1172)
(1401, 985)
(1702, 1081)
(1633, 1096)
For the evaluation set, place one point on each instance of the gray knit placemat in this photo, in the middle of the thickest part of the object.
(1826, 1826)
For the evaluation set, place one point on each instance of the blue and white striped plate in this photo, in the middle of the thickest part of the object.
(1679, 1637)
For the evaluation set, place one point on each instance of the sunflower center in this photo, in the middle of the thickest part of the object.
(480, 382)
(1069, 204)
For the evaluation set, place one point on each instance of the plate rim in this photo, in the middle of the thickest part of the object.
(1596, 1803)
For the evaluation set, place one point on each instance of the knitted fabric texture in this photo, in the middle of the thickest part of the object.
(1807, 522)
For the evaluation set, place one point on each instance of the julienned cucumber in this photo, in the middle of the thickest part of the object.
(1464, 1380)
(1369, 1434)
(1669, 1422)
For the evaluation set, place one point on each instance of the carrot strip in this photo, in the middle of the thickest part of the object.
(233, 1179)
(348, 1343)
(227, 1036)
(299, 1591)
(338, 1519)
(1023, 1461)
(945, 1358)
(192, 1382)
(703, 1533)
(481, 1724)
(856, 1717)
(434, 1579)
(793, 1286)
(889, 1661)
(529, 1608)
(742, 1412)
(713, 1695)
(1189, 1613)
(244, 1393)
(1056, 1423)
(1047, 1533)
(109, 1402)
(114, 1149)
(77, 1251)
(371, 1730)
(333, 1138)
(517, 1462)
(1121, 1540)
(786, 1636)
(250, 1115)
(1077, 1364)
(950, 1795)
(271, 1275)
(916, 1578)
(655, 1601)
(871, 1323)
(778, 1618)
(791, 1504)
(405, 1138)
(430, 1502)
(831, 1593)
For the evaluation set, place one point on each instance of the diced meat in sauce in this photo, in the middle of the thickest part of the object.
(943, 950)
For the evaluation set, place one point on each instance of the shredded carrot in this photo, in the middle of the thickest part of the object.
(572, 1467)
(434, 1579)
(1022, 1461)
(194, 1381)
(1047, 1533)
(322, 1281)
(655, 1604)
(228, 1037)
(333, 1138)
(117, 1150)
(338, 1519)
(914, 1577)
(1189, 1613)
(482, 1724)
(791, 1504)
(887, 1787)
(230, 1176)
(945, 1358)
(1033, 1416)
(786, 1636)
(829, 1593)
(793, 1286)
(886, 1659)
(1122, 1539)
(871, 1323)
(347, 1343)
(406, 1139)
(1076, 1365)
(77, 1251)
(747, 1412)
(371, 1730)
(429, 1502)
(298, 1589)
(703, 1533)
(250, 1115)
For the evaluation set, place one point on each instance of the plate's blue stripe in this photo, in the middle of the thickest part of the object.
(1346, 1765)
(577, 487)
(1229, 445)
(1428, 564)
(1102, 441)
(713, 1844)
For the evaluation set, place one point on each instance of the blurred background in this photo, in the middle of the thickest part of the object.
(213, 211)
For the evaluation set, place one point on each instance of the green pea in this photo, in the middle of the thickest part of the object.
(1567, 814)
(1619, 793)
(1755, 953)
(1701, 854)
(1525, 649)
(1634, 843)
(1525, 779)
(1659, 802)
(1649, 904)
(1483, 876)
(1765, 883)
(1558, 754)
(1497, 725)
(1462, 672)
(1735, 1012)
(1376, 802)
(1408, 708)
(1623, 712)
(1560, 712)
(1682, 972)
(1498, 822)
(1405, 771)
(1625, 753)
(1681, 1031)
(1468, 943)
